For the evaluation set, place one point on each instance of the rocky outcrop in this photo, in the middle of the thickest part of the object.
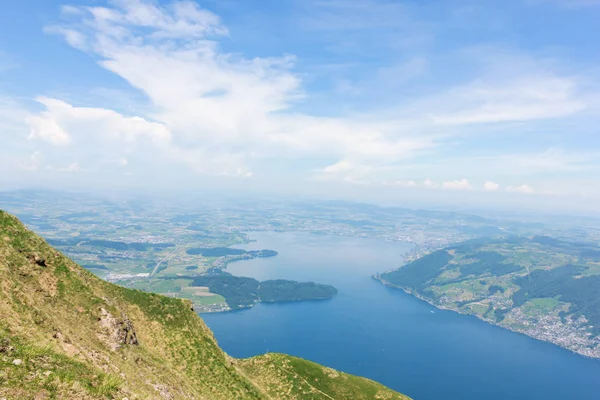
(116, 332)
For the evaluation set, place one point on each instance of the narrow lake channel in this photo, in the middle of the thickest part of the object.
(389, 336)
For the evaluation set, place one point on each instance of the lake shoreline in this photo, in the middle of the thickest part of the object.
(248, 307)
(387, 335)
(378, 278)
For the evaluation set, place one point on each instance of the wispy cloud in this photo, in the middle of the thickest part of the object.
(489, 185)
(526, 98)
(403, 105)
(521, 189)
(461, 184)
(212, 101)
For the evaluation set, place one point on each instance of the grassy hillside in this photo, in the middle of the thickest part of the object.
(66, 334)
(541, 286)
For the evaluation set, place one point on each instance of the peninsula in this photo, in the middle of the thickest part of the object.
(540, 286)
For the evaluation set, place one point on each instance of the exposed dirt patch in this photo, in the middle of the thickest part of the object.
(384, 395)
(163, 391)
(116, 332)
(332, 373)
(49, 283)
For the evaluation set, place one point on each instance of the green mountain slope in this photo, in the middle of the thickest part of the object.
(541, 286)
(66, 334)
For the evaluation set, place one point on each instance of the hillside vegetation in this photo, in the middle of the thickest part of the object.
(66, 334)
(541, 286)
(241, 292)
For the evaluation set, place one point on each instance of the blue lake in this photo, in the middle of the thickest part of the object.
(389, 336)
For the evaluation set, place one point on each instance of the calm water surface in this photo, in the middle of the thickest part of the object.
(389, 336)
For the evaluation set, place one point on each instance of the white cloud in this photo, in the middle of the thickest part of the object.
(181, 19)
(504, 86)
(428, 183)
(102, 139)
(60, 122)
(346, 171)
(520, 189)
(461, 184)
(45, 128)
(230, 114)
(342, 166)
(73, 37)
(519, 99)
(491, 186)
(219, 107)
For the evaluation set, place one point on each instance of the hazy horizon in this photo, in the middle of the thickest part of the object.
(446, 105)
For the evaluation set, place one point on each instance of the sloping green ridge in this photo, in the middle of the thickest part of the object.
(66, 334)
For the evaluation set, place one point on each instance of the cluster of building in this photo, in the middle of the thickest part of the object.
(572, 334)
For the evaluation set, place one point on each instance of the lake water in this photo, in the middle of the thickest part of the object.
(386, 335)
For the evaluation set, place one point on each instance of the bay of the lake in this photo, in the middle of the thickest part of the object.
(386, 335)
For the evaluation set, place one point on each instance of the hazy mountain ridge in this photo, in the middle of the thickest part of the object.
(64, 333)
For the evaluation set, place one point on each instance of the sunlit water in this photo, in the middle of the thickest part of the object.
(389, 336)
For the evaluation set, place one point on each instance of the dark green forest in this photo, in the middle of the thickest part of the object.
(489, 261)
(284, 290)
(244, 292)
(238, 291)
(228, 251)
(417, 273)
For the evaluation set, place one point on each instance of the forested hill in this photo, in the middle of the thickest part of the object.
(541, 286)
(66, 334)
(240, 292)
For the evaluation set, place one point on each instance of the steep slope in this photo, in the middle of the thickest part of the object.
(66, 334)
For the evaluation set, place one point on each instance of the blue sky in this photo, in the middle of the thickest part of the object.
(492, 102)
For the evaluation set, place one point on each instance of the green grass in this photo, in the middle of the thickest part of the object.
(542, 306)
(478, 309)
(546, 303)
(205, 301)
(43, 370)
(304, 380)
(174, 287)
(54, 319)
